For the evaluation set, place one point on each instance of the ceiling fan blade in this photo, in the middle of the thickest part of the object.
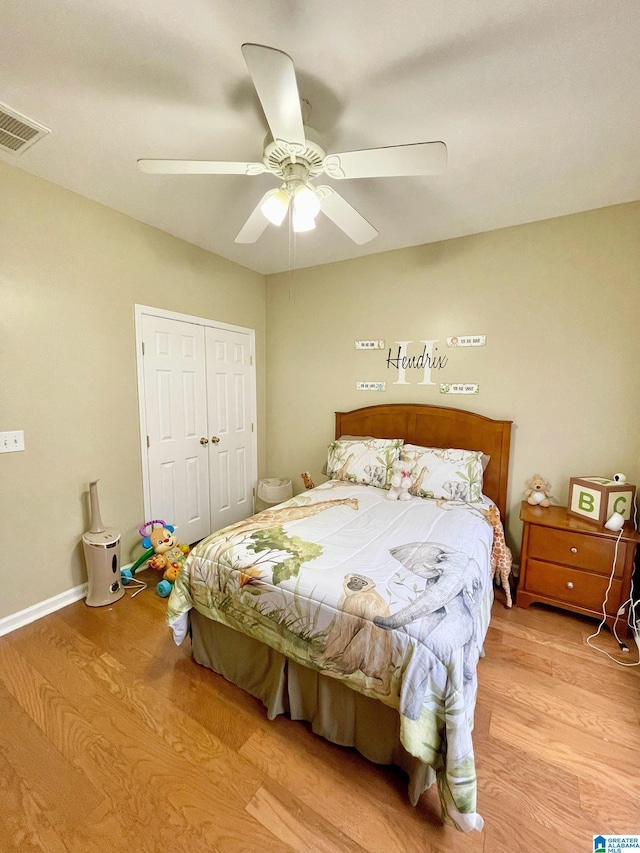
(344, 216)
(422, 158)
(274, 78)
(256, 224)
(199, 167)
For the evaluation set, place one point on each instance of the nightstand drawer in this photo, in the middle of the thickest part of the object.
(571, 586)
(592, 553)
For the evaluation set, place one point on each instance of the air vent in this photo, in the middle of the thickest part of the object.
(17, 132)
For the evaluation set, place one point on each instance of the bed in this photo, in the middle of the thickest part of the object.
(362, 615)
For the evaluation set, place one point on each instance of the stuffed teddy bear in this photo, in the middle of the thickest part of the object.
(401, 481)
(538, 492)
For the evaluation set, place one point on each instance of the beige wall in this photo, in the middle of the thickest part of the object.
(70, 274)
(559, 302)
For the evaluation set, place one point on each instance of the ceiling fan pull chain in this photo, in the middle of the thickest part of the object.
(292, 259)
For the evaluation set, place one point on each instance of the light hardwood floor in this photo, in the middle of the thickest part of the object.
(112, 739)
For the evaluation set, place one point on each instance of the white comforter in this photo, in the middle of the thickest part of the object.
(391, 597)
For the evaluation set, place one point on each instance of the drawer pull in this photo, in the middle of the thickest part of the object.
(574, 550)
(570, 585)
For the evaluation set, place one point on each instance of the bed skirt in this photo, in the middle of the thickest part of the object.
(335, 711)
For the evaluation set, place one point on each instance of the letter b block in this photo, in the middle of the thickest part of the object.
(597, 498)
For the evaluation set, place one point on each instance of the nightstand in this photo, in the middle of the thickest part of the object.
(567, 562)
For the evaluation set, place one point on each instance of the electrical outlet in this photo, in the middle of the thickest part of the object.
(11, 442)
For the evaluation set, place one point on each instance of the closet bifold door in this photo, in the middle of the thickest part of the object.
(230, 415)
(198, 412)
(175, 401)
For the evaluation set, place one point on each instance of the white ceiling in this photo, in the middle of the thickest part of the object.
(537, 100)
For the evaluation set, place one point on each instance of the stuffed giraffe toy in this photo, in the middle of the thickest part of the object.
(308, 482)
(501, 557)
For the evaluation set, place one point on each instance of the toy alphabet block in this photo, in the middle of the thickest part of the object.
(597, 498)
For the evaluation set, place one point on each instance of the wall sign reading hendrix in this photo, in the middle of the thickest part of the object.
(426, 361)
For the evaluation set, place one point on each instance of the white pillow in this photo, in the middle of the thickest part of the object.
(368, 461)
(345, 438)
(447, 473)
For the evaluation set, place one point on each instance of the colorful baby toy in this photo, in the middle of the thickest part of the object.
(164, 553)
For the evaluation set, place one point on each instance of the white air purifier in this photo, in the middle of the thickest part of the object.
(101, 547)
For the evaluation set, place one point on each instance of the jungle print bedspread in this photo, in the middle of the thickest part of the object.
(391, 597)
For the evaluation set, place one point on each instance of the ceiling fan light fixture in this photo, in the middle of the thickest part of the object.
(306, 203)
(275, 206)
(302, 223)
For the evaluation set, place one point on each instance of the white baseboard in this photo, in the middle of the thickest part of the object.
(37, 611)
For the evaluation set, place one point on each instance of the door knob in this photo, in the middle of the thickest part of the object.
(215, 439)
(204, 441)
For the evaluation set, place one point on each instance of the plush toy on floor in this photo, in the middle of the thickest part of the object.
(168, 555)
(538, 492)
(401, 481)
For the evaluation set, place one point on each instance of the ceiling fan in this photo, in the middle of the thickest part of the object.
(293, 154)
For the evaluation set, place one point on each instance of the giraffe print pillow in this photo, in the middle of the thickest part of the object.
(368, 461)
(445, 473)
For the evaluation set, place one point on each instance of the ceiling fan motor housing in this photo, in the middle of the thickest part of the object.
(279, 155)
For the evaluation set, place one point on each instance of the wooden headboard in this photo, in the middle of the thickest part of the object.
(439, 426)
